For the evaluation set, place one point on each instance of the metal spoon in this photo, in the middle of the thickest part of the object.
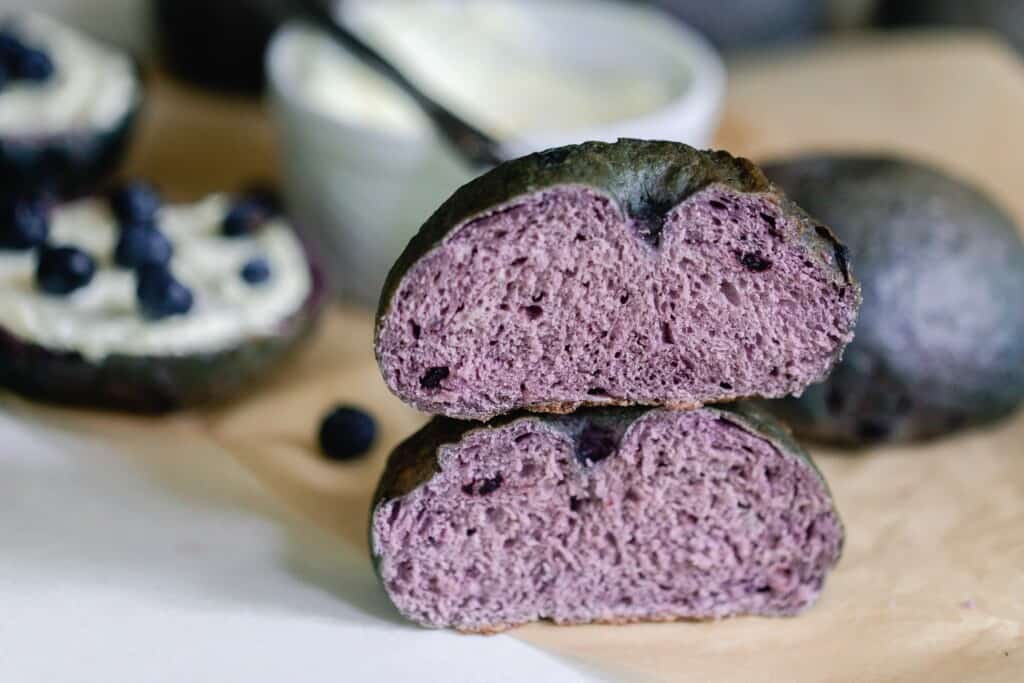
(469, 142)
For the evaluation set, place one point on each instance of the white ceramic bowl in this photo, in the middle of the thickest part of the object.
(362, 191)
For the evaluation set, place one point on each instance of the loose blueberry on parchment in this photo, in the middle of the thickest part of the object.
(346, 433)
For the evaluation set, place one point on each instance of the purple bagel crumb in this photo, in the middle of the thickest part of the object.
(694, 516)
(557, 301)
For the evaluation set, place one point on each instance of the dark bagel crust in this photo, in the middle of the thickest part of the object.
(939, 342)
(153, 384)
(644, 179)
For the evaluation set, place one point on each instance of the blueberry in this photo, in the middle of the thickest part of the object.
(595, 443)
(433, 377)
(489, 486)
(141, 245)
(10, 47)
(160, 295)
(346, 433)
(266, 198)
(256, 271)
(33, 65)
(753, 262)
(26, 224)
(135, 203)
(62, 270)
(4, 77)
(244, 218)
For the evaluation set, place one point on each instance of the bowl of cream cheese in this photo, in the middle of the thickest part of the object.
(363, 167)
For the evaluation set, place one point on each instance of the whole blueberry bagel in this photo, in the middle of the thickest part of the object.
(607, 515)
(646, 273)
(940, 338)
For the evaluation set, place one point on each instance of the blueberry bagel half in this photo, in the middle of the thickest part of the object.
(633, 273)
(608, 515)
(124, 302)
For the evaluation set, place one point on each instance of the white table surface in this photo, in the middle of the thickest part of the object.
(126, 560)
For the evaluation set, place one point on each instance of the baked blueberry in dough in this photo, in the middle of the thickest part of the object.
(638, 272)
(607, 515)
